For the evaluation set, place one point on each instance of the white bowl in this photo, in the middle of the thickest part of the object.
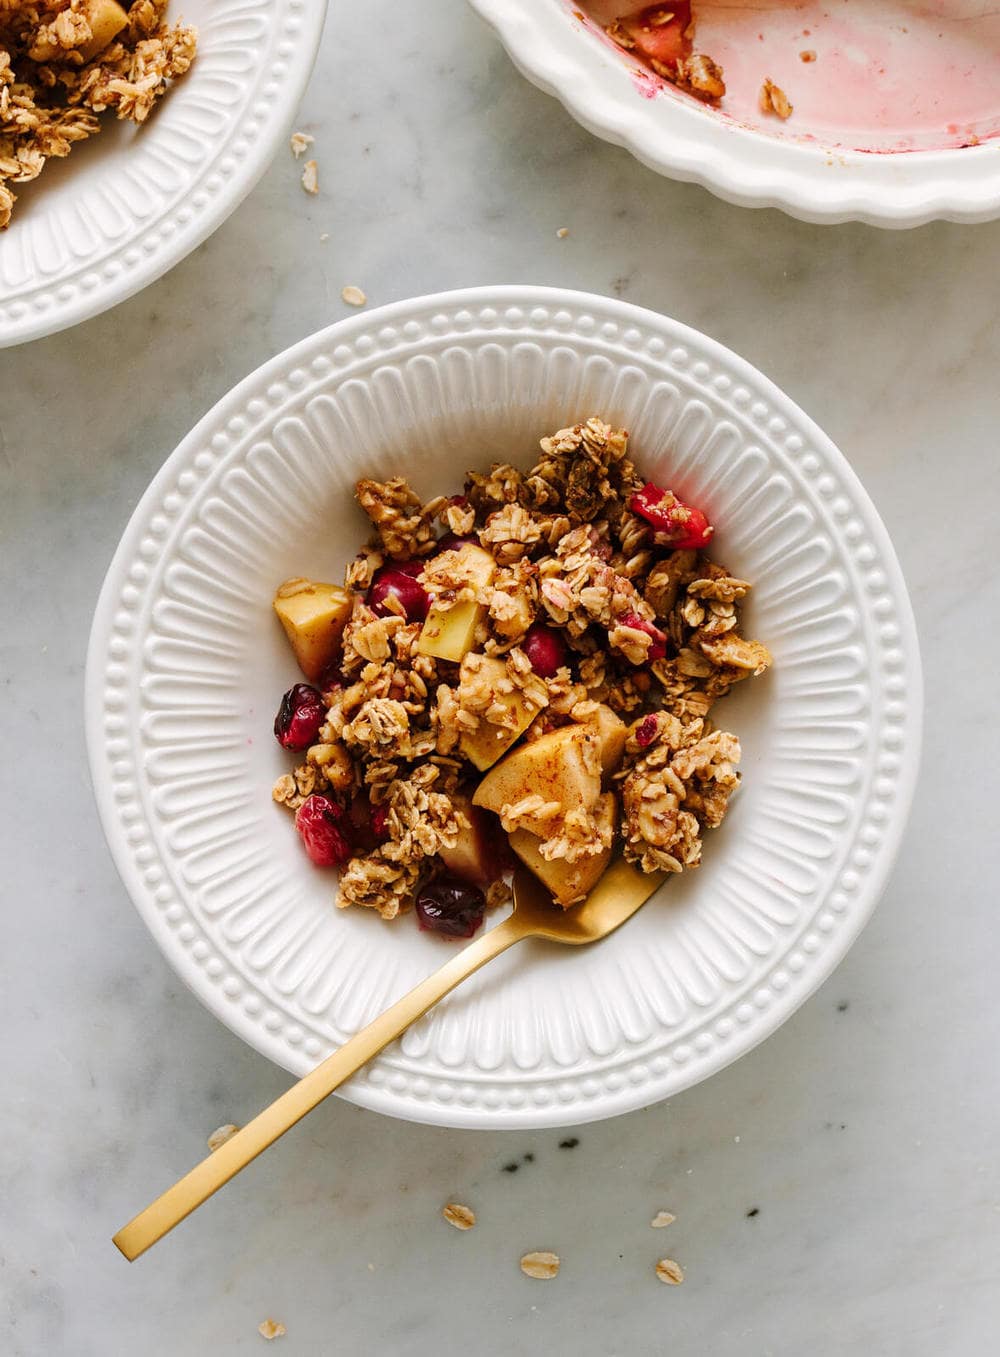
(187, 664)
(808, 169)
(131, 202)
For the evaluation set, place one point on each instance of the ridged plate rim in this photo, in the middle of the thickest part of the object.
(395, 1084)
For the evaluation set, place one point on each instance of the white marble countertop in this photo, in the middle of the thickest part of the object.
(837, 1191)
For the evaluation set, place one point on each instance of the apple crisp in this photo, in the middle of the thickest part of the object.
(525, 670)
(65, 62)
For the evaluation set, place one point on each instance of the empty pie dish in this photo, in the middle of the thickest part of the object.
(895, 106)
(187, 661)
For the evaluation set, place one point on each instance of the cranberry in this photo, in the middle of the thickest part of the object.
(452, 542)
(658, 643)
(391, 582)
(299, 717)
(412, 568)
(546, 650)
(450, 907)
(677, 525)
(320, 822)
(646, 730)
(380, 828)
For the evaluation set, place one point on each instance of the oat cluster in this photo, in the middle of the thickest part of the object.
(55, 81)
(572, 554)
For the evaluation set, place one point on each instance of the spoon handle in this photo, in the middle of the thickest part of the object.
(224, 1163)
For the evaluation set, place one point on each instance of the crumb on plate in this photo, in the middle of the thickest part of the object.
(271, 1328)
(773, 99)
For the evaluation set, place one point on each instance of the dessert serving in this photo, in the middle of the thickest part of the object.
(527, 667)
(63, 63)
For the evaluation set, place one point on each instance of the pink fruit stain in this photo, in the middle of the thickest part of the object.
(889, 76)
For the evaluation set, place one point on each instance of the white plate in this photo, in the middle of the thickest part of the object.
(806, 167)
(131, 202)
(187, 664)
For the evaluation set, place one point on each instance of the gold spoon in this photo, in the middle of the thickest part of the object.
(616, 897)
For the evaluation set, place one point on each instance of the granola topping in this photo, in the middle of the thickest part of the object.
(65, 62)
(575, 633)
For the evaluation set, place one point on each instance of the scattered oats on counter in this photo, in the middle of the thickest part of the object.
(299, 142)
(563, 232)
(324, 236)
(353, 296)
(462, 1217)
(310, 177)
(220, 1135)
(661, 1220)
(271, 1328)
(773, 99)
(669, 1272)
(542, 1265)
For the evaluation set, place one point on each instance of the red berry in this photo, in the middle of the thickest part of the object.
(380, 828)
(545, 648)
(646, 730)
(658, 643)
(320, 821)
(677, 525)
(412, 568)
(452, 542)
(392, 582)
(450, 907)
(663, 42)
(299, 717)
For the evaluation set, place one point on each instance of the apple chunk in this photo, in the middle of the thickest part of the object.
(478, 855)
(450, 630)
(563, 766)
(106, 19)
(611, 732)
(313, 616)
(484, 745)
(569, 882)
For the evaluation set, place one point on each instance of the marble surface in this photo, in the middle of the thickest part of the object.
(838, 1190)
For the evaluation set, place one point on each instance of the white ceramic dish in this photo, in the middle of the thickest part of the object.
(809, 166)
(130, 203)
(187, 664)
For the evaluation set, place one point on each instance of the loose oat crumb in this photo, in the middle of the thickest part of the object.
(310, 177)
(271, 1328)
(324, 236)
(353, 296)
(807, 55)
(563, 232)
(669, 1272)
(220, 1135)
(543, 1266)
(462, 1217)
(299, 143)
(773, 99)
(661, 1220)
